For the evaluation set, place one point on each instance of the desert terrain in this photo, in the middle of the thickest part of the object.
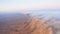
(27, 24)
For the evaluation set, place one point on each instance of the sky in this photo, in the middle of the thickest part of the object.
(8, 5)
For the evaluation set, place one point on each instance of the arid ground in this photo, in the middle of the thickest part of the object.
(27, 24)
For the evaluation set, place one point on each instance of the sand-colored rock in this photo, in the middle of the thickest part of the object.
(31, 25)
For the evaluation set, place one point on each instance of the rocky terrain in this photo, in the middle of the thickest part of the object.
(26, 24)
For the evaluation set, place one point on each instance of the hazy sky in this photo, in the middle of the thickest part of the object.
(7, 5)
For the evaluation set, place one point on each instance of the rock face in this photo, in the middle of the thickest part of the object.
(23, 24)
